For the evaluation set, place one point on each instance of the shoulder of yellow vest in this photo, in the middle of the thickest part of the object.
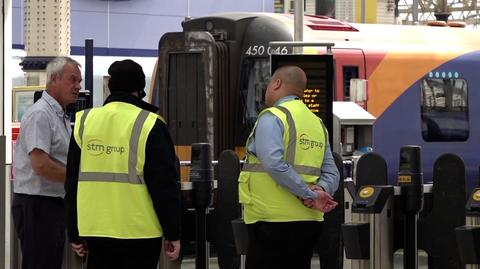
(161, 118)
(270, 109)
(79, 113)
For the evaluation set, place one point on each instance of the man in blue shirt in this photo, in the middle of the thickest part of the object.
(39, 168)
(278, 238)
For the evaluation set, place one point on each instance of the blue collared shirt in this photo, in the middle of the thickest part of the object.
(267, 144)
(46, 127)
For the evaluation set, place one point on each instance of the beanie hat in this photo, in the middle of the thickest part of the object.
(126, 76)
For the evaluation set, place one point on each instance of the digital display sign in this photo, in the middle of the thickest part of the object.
(318, 95)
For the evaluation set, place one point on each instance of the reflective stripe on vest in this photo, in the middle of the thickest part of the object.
(301, 169)
(82, 121)
(132, 176)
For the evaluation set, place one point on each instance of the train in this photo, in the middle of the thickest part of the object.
(422, 83)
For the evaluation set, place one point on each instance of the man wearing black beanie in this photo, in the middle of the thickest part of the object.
(124, 197)
(126, 76)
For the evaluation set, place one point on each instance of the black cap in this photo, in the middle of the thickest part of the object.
(126, 76)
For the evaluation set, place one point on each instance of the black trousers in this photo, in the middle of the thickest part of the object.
(40, 225)
(282, 245)
(123, 253)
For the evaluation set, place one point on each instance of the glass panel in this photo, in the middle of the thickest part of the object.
(444, 110)
(255, 81)
(349, 72)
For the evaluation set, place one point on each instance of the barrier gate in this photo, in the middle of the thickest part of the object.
(442, 210)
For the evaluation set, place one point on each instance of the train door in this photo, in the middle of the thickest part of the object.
(182, 94)
(185, 88)
(349, 67)
(186, 83)
(349, 64)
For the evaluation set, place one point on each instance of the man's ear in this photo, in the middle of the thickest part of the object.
(277, 83)
(54, 77)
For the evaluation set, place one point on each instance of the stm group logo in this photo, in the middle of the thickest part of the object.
(307, 143)
(97, 147)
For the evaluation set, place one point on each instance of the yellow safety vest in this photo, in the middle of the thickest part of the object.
(112, 199)
(305, 140)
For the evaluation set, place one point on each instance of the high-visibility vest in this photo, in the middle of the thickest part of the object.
(112, 198)
(305, 140)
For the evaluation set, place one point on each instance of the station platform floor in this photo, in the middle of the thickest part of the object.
(189, 263)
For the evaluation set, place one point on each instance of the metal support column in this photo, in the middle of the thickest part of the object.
(89, 69)
(4, 218)
(298, 29)
(364, 11)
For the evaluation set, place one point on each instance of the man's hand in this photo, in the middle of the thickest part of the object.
(80, 248)
(324, 202)
(172, 249)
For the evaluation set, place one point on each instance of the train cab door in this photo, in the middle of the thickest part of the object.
(349, 64)
(351, 85)
(190, 87)
(184, 87)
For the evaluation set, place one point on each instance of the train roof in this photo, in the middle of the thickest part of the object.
(386, 37)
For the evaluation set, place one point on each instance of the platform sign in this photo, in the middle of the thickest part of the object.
(318, 95)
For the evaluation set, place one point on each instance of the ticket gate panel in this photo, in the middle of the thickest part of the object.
(364, 261)
(470, 221)
(357, 243)
(468, 236)
(372, 229)
(381, 238)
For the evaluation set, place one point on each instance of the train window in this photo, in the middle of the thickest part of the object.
(444, 110)
(255, 80)
(349, 72)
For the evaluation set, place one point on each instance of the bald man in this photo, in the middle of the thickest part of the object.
(287, 182)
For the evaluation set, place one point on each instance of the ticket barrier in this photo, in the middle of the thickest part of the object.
(468, 236)
(438, 208)
(410, 181)
(369, 240)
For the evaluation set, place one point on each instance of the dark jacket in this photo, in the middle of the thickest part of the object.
(160, 174)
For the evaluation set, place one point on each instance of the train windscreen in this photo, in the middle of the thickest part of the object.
(444, 110)
(256, 78)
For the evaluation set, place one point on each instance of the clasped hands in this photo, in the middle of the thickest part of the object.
(172, 248)
(80, 248)
(324, 202)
